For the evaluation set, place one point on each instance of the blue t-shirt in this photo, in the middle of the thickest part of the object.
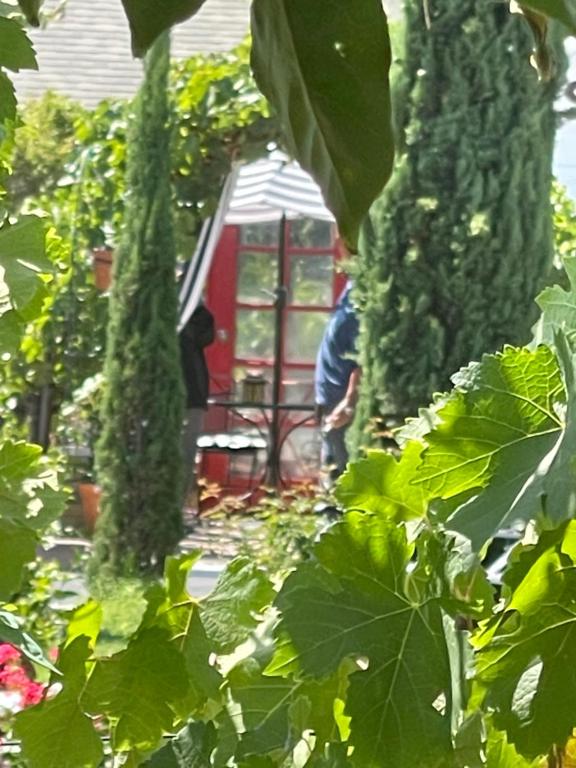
(335, 363)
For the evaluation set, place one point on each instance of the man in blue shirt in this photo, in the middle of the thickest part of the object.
(336, 383)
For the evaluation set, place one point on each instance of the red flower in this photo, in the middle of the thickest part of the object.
(8, 653)
(14, 677)
(33, 694)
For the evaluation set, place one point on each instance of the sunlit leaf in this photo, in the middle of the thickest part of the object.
(496, 428)
(526, 656)
(57, 733)
(353, 604)
(136, 687)
(230, 612)
(381, 484)
(23, 259)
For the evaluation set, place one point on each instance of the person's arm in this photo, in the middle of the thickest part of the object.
(343, 413)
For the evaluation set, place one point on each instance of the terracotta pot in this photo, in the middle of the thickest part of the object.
(102, 263)
(89, 499)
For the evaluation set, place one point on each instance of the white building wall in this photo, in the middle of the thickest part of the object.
(565, 153)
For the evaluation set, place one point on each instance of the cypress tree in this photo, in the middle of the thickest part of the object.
(461, 241)
(138, 455)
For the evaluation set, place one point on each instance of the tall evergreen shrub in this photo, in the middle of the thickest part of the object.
(461, 241)
(138, 454)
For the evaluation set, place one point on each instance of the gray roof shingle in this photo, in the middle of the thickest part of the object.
(85, 53)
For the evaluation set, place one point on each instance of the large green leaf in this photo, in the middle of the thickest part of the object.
(381, 484)
(231, 612)
(190, 748)
(558, 308)
(353, 604)
(561, 10)
(149, 18)
(28, 491)
(501, 422)
(10, 330)
(275, 712)
(57, 733)
(170, 608)
(325, 70)
(136, 688)
(17, 547)
(526, 657)
(16, 50)
(23, 259)
(7, 98)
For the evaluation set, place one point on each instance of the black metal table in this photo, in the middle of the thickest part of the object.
(275, 426)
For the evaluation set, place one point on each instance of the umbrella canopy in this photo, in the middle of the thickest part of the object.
(272, 188)
(263, 191)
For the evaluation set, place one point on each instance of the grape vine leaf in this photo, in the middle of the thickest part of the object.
(136, 689)
(325, 70)
(231, 611)
(558, 308)
(8, 101)
(276, 711)
(190, 748)
(501, 754)
(381, 484)
(171, 609)
(11, 631)
(265, 706)
(526, 655)
(16, 51)
(57, 733)
(352, 603)
(149, 18)
(501, 421)
(23, 260)
(17, 547)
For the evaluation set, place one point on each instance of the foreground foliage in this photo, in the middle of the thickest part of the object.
(390, 645)
(360, 659)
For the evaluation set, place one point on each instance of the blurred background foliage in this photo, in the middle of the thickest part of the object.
(68, 163)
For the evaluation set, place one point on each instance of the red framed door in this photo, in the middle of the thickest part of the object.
(241, 294)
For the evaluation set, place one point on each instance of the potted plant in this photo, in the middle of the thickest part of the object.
(76, 434)
(102, 264)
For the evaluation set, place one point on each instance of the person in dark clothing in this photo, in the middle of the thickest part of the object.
(195, 336)
(337, 379)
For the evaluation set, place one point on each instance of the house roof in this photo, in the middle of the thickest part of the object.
(84, 51)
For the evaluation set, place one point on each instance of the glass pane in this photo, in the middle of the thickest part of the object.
(311, 233)
(311, 280)
(256, 277)
(264, 233)
(254, 333)
(299, 386)
(303, 335)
